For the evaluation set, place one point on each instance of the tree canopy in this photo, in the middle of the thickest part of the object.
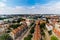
(54, 38)
(5, 36)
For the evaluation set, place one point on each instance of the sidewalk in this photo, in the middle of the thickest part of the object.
(47, 35)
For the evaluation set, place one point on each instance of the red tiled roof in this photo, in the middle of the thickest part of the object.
(17, 29)
(36, 34)
(13, 31)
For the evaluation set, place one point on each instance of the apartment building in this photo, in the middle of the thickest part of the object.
(19, 31)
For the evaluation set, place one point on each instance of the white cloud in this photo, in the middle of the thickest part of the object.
(2, 4)
(50, 8)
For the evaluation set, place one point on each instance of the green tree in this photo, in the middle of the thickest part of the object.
(14, 26)
(32, 30)
(28, 37)
(13, 21)
(42, 32)
(31, 24)
(5, 36)
(20, 19)
(42, 25)
(54, 38)
(25, 38)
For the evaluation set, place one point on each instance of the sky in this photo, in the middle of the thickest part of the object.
(29, 6)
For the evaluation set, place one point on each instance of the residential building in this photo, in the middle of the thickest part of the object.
(15, 33)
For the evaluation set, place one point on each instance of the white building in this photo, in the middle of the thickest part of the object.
(49, 27)
(6, 19)
(3, 27)
(28, 22)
